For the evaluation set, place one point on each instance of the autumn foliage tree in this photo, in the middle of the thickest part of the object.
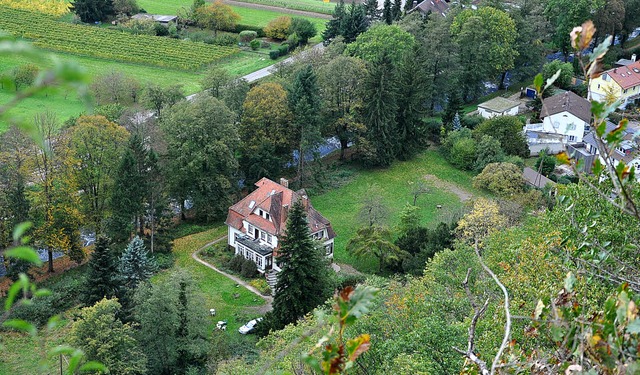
(265, 131)
(217, 16)
(278, 28)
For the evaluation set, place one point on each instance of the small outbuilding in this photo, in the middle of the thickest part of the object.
(162, 19)
(498, 106)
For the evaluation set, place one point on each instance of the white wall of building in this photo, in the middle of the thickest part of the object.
(566, 124)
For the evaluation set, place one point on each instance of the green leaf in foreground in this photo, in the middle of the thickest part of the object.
(25, 253)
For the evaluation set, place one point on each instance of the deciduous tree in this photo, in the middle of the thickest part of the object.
(217, 16)
(375, 241)
(341, 92)
(104, 338)
(278, 28)
(201, 145)
(486, 40)
(91, 11)
(96, 144)
(508, 131)
(266, 132)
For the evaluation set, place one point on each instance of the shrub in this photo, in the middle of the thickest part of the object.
(247, 36)
(261, 285)
(283, 49)
(566, 73)
(164, 261)
(25, 75)
(235, 264)
(293, 40)
(225, 40)
(303, 29)
(265, 44)
(255, 44)
(503, 179)
(160, 29)
(248, 269)
(278, 28)
(274, 54)
(350, 280)
(463, 154)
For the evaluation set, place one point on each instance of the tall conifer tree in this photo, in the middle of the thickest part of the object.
(102, 273)
(303, 283)
(304, 102)
(380, 112)
(387, 12)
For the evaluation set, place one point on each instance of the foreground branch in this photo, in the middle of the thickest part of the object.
(507, 325)
(477, 314)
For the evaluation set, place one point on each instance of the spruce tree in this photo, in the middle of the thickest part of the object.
(304, 102)
(129, 191)
(355, 23)
(387, 12)
(412, 83)
(102, 273)
(334, 26)
(135, 265)
(456, 122)
(372, 11)
(380, 112)
(396, 10)
(303, 283)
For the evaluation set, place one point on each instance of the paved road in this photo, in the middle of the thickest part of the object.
(268, 299)
(259, 74)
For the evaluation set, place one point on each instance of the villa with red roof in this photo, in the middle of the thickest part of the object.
(257, 222)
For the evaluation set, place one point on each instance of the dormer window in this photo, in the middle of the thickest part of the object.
(267, 216)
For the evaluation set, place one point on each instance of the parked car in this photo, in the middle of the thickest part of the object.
(247, 328)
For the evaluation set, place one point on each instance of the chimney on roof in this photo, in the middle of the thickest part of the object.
(414, 4)
(615, 70)
(305, 202)
(284, 182)
(633, 57)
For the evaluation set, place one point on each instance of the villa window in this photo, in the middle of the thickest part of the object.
(269, 238)
(263, 235)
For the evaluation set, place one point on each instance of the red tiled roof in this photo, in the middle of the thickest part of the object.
(626, 76)
(276, 200)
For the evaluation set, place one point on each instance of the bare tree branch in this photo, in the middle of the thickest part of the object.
(507, 326)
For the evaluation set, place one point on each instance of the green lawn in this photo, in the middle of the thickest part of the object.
(341, 206)
(66, 105)
(218, 289)
(253, 17)
(317, 6)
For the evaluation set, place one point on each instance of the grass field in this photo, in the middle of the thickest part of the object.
(253, 17)
(341, 206)
(66, 105)
(218, 290)
(317, 6)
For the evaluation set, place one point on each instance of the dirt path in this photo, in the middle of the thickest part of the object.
(461, 193)
(268, 299)
(277, 9)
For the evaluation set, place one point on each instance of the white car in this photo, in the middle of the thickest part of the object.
(249, 326)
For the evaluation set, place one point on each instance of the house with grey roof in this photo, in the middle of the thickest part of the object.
(426, 7)
(498, 106)
(568, 114)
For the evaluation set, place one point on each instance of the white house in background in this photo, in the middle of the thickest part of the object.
(257, 222)
(568, 114)
(498, 106)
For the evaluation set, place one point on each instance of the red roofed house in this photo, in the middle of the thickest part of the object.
(257, 222)
(620, 82)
